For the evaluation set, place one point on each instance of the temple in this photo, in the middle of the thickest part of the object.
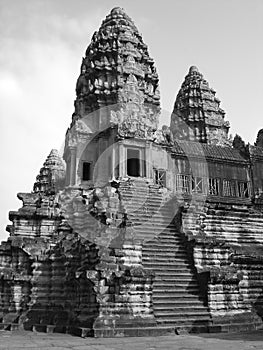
(138, 230)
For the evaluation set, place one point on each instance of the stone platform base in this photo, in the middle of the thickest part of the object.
(137, 332)
(134, 332)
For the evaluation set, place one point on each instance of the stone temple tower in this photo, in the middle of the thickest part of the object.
(197, 115)
(118, 101)
(116, 52)
(137, 230)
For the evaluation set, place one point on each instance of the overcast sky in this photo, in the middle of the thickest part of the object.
(42, 43)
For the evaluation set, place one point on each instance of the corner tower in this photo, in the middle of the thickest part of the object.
(197, 115)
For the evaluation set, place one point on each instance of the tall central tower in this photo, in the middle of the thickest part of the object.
(116, 51)
(116, 108)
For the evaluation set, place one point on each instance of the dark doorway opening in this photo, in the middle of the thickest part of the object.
(86, 171)
(133, 162)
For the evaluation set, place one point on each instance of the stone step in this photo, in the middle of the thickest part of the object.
(144, 202)
(166, 233)
(179, 266)
(182, 288)
(183, 281)
(142, 198)
(156, 217)
(180, 316)
(168, 282)
(138, 217)
(149, 222)
(172, 269)
(172, 243)
(157, 244)
(172, 240)
(177, 276)
(157, 241)
(180, 254)
(170, 232)
(140, 188)
(177, 303)
(156, 230)
(159, 256)
(179, 310)
(170, 246)
(170, 279)
(150, 250)
(182, 295)
(158, 220)
(180, 281)
(171, 261)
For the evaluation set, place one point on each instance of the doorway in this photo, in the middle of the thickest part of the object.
(133, 162)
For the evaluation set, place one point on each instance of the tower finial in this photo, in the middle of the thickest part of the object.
(193, 69)
(117, 9)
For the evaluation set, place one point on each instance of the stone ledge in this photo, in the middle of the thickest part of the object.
(133, 332)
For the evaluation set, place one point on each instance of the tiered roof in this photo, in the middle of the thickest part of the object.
(51, 175)
(197, 115)
(116, 52)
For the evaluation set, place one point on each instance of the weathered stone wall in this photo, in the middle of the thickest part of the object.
(70, 260)
(227, 249)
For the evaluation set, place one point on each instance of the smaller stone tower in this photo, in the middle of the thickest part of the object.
(197, 115)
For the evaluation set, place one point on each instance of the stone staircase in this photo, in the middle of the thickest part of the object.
(176, 296)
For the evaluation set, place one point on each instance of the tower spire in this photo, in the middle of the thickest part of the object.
(116, 51)
(51, 175)
(197, 114)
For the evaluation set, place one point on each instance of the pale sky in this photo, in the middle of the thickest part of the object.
(42, 43)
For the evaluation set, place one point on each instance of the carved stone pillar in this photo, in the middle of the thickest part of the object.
(122, 160)
(73, 158)
(148, 160)
(113, 175)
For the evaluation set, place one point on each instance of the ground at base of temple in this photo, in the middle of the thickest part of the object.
(33, 340)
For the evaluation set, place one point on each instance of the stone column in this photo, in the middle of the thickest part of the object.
(148, 160)
(122, 165)
(72, 174)
(113, 162)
